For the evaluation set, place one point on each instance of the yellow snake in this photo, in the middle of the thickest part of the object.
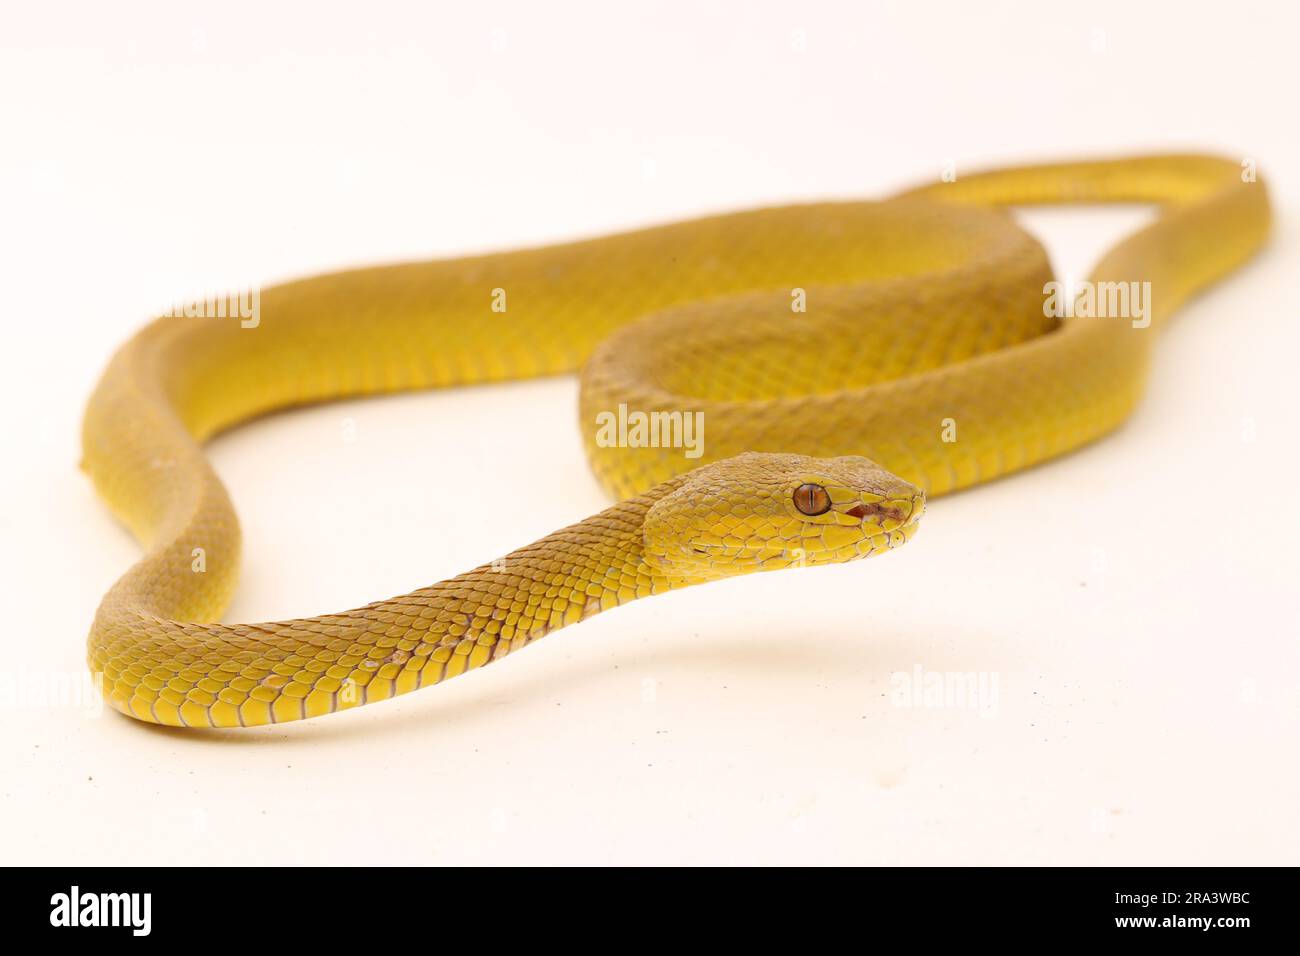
(826, 349)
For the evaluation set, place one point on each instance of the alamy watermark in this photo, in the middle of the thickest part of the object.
(242, 304)
(78, 690)
(659, 429)
(1099, 300)
(945, 690)
(78, 908)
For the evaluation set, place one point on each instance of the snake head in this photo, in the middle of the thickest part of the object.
(761, 512)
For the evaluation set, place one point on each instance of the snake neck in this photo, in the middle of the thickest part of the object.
(558, 580)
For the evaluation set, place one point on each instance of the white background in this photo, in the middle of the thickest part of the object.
(1134, 601)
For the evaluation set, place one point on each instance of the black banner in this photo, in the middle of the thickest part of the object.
(233, 906)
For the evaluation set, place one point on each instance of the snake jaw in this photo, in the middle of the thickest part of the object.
(888, 524)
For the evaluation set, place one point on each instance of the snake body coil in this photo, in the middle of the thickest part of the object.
(825, 420)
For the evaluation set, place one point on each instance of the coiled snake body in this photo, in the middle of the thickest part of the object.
(827, 347)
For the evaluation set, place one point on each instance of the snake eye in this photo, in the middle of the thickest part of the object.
(812, 499)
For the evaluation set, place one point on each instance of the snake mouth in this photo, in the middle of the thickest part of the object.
(889, 538)
(889, 515)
